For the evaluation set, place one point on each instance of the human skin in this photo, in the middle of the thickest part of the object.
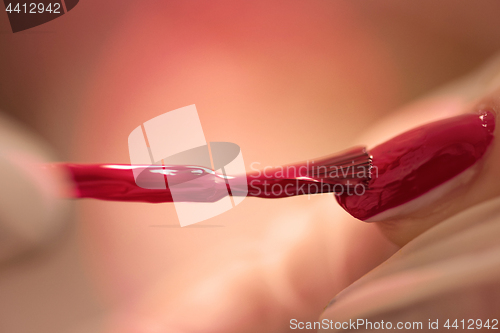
(249, 296)
(450, 271)
(477, 92)
(108, 80)
(137, 255)
(448, 267)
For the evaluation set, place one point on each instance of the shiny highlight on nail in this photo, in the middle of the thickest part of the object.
(417, 161)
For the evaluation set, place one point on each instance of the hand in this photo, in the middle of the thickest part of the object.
(449, 268)
(260, 294)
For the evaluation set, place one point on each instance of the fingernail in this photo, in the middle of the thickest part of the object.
(419, 160)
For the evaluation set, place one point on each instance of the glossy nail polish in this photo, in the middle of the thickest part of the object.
(415, 162)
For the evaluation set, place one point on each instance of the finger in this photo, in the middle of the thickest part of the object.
(449, 266)
(31, 210)
(451, 271)
(468, 186)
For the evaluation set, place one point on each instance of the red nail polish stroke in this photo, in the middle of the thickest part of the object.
(419, 160)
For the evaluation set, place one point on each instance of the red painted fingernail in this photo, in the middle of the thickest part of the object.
(415, 162)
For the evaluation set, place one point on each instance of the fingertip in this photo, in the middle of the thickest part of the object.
(32, 211)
